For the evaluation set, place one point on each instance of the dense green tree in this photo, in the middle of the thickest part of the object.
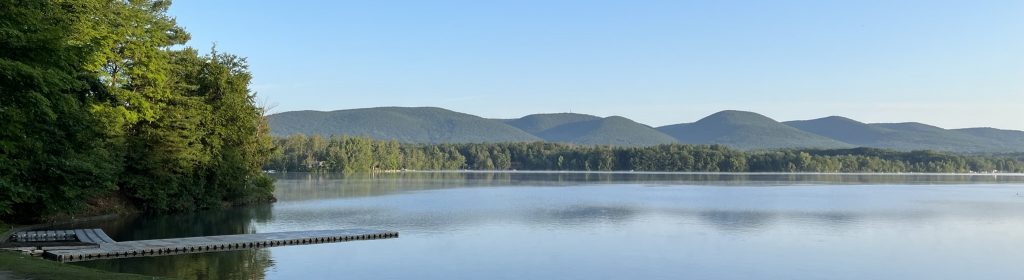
(52, 156)
(96, 103)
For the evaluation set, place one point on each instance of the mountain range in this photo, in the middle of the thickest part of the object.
(737, 129)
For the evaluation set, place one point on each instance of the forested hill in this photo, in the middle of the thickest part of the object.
(590, 130)
(747, 130)
(914, 136)
(615, 131)
(1010, 139)
(736, 129)
(407, 125)
(538, 123)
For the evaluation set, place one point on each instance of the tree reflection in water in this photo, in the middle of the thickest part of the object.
(244, 264)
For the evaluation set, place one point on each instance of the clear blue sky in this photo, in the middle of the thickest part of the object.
(948, 63)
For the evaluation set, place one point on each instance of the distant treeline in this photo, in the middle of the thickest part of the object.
(360, 154)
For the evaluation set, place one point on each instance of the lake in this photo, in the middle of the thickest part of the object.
(529, 225)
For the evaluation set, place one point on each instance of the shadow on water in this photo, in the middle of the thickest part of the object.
(245, 264)
(305, 186)
(737, 220)
(582, 215)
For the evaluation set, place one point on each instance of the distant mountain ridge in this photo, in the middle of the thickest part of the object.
(537, 123)
(404, 124)
(737, 129)
(913, 136)
(614, 130)
(747, 130)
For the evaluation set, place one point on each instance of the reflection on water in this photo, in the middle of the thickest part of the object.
(605, 225)
(737, 220)
(296, 186)
(250, 264)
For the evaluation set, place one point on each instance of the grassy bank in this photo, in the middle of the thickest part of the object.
(28, 267)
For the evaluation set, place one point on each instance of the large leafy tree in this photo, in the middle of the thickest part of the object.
(52, 155)
(208, 142)
(95, 101)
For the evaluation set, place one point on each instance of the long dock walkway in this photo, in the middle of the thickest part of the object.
(189, 245)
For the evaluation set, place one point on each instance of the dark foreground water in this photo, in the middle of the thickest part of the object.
(613, 226)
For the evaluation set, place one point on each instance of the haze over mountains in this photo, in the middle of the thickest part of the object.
(737, 129)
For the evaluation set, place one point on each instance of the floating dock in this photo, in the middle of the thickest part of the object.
(190, 245)
(95, 236)
(37, 241)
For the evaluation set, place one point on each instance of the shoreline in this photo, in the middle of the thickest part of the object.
(469, 171)
(20, 266)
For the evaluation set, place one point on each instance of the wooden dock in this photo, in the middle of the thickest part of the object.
(190, 245)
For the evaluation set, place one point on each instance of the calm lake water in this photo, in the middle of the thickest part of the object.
(613, 226)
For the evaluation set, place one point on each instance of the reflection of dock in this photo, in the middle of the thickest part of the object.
(189, 245)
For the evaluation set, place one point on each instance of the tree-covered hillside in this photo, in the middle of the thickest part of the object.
(914, 136)
(737, 129)
(843, 129)
(403, 124)
(918, 136)
(747, 131)
(1012, 140)
(614, 130)
(537, 123)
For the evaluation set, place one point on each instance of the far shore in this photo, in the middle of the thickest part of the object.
(670, 172)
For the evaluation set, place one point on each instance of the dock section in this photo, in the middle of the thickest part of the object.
(92, 235)
(95, 236)
(189, 245)
(43, 236)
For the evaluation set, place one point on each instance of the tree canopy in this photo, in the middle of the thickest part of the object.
(100, 99)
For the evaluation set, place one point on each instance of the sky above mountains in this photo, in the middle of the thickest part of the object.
(949, 63)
